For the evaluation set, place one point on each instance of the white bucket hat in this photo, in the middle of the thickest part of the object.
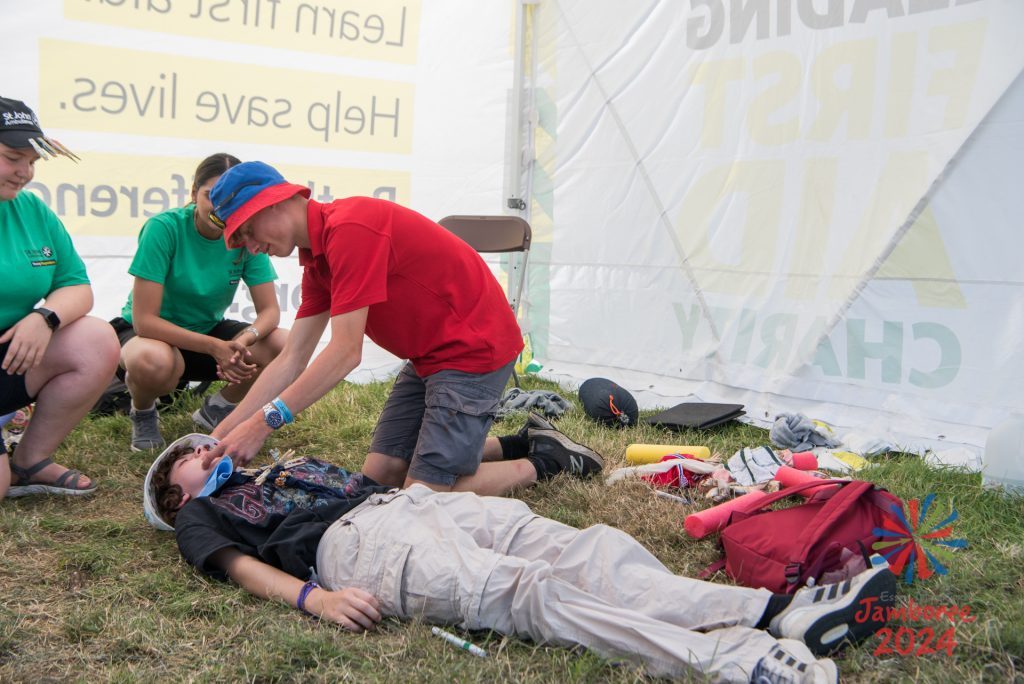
(192, 441)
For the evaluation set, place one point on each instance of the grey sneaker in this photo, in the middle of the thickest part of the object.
(790, 662)
(146, 430)
(561, 454)
(828, 616)
(208, 416)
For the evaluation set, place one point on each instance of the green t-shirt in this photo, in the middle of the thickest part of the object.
(36, 256)
(200, 276)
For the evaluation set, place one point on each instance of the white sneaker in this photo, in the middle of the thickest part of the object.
(827, 617)
(791, 662)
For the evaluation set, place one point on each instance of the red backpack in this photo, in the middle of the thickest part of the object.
(781, 549)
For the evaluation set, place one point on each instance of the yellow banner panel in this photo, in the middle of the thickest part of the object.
(87, 87)
(114, 194)
(382, 30)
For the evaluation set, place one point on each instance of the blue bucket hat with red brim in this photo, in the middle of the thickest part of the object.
(244, 190)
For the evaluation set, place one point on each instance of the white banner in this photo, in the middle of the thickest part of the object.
(400, 99)
(802, 205)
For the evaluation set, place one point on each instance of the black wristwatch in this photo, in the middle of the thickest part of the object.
(51, 318)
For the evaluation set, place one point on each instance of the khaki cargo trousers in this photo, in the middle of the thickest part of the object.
(491, 563)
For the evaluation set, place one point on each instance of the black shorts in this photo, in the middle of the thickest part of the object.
(197, 366)
(13, 394)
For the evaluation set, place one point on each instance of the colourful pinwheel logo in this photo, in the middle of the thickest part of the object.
(905, 546)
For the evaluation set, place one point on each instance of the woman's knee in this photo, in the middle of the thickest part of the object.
(87, 343)
(154, 362)
(101, 341)
(267, 349)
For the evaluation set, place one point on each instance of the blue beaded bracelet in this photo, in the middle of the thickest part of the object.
(306, 588)
(285, 411)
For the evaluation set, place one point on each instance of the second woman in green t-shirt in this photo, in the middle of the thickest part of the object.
(172, 329)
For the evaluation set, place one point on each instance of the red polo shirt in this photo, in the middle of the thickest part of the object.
(431, 298)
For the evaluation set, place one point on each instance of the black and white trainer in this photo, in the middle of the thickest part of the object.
(827, 617)
(790, 662)
(571, 457)
(536, 422)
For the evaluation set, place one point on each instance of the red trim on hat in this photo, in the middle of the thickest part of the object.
(261, 200)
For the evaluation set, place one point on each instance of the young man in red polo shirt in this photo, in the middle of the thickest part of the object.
(371, 266)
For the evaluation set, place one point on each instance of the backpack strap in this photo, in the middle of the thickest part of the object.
(767, 501)
(711, 569)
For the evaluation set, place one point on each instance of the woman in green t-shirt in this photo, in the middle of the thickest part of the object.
(52, 354)
(172, 328)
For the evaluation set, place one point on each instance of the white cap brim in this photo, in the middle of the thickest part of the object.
(148, 495)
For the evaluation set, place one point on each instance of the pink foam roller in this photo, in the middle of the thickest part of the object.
(711, 520)
(791, 477)
(805, 460)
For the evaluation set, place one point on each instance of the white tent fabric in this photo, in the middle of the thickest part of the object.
(800, 205)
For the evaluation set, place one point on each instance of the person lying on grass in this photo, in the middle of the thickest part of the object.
(337, 545)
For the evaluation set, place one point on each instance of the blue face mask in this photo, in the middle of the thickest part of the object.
(218, 477)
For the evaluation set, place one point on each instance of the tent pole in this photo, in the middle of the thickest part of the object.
(517, 197)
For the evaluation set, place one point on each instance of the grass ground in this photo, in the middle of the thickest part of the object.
(89, 592)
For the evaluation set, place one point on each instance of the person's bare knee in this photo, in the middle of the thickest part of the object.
(151, 366)
(267, 349)
(387, 470)
(99, 339)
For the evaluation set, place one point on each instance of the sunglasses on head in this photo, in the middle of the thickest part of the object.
(214, 214)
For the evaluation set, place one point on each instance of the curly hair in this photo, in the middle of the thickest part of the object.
(168, 496)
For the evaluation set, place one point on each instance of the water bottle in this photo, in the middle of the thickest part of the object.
(1004, 456)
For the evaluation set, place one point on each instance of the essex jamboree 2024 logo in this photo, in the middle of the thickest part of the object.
(913, 543)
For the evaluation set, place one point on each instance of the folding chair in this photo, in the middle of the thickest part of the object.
(498, 234)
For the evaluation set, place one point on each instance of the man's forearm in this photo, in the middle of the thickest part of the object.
(330, 368)
(280, 373)
(300, 387)
(297, 390)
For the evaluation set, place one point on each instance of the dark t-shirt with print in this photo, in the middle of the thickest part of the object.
(279, 522)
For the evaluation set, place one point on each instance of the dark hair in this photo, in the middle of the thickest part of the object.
(166, 495)
(213, 166)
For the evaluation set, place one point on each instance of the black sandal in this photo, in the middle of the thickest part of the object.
(65, 485)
